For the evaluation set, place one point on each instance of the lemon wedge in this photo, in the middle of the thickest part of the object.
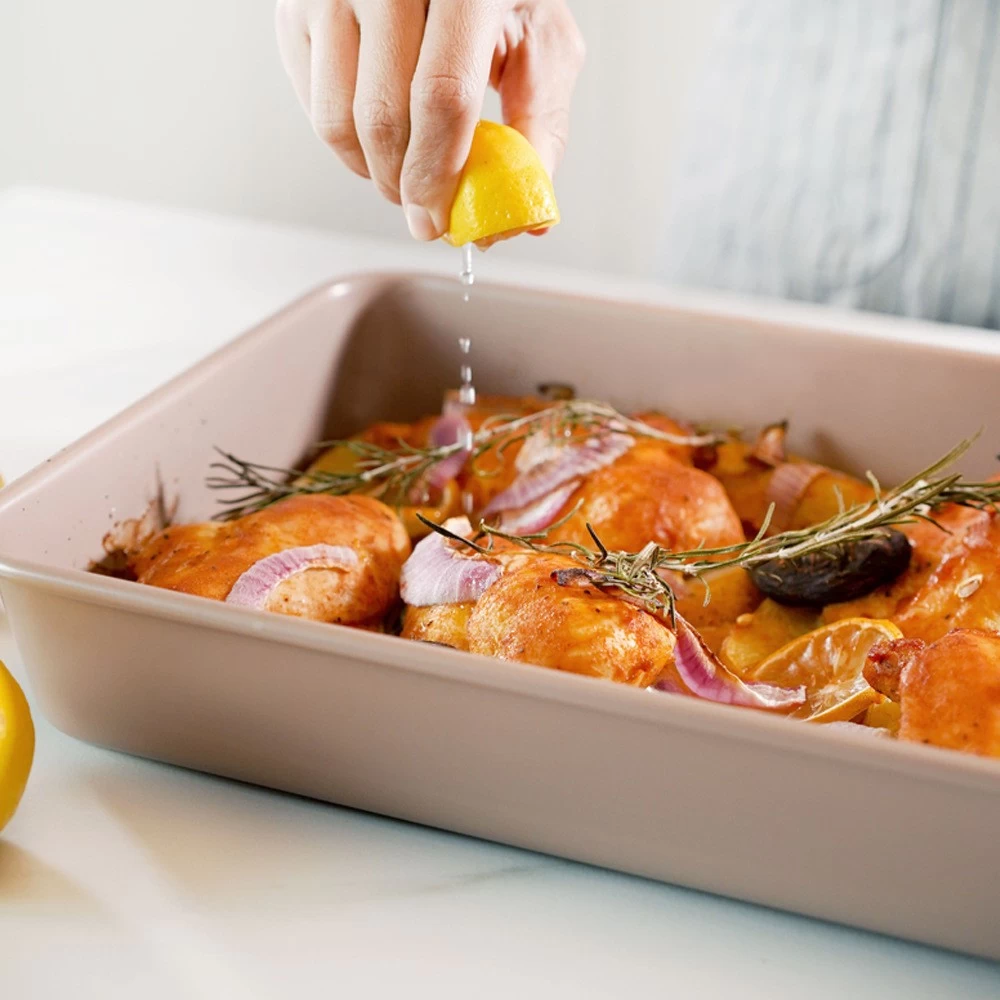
(17, 744)
(503, 190)
(829, 661)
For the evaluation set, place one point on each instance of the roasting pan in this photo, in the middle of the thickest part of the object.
(894, 838)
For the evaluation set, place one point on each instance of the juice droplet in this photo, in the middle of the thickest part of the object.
(467, 391)
(466, 276)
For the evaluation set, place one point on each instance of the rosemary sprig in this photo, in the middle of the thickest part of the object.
(643, 576)
(393, 474)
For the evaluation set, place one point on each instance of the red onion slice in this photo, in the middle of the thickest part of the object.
(769, 448)
(542, 446)
(255, 586)
(572, 461)
(439, 573)
(539, 515)
(788, 485)
(704, 676)
(451, 428)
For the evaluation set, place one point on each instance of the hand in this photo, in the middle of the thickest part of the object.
(395, 87)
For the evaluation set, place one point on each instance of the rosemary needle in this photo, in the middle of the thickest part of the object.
(643, 576)
(392, 473)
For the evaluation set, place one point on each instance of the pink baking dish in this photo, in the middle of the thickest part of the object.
(894, 838)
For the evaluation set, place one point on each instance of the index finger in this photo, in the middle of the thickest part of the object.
(446, 98)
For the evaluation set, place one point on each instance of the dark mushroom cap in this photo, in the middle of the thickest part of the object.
(841, 572)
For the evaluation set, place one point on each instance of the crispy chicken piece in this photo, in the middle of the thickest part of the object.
(207, 559)
(963, 591)
(647, 495)
(446, 624)
(494, 472)
(527, 616)
(948, 691)
(683, 453)
(930, 544)
(652, 493)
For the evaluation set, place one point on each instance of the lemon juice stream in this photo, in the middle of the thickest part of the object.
(466, 391)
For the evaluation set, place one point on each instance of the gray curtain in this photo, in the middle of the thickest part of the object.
(846, 151)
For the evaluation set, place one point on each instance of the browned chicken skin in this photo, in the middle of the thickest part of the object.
(647, 495)
(963, 590)
(930, 544)
(527, 616)
(445, 624)
(651, 495)
(948, 691)
(207, 559)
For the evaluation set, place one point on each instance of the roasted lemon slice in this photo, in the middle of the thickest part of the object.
(829, 662)
(504, 190)
(17, 745)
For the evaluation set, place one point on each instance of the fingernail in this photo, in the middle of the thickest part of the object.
(421, 224)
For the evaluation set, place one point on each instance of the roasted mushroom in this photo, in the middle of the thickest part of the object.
(837, 573)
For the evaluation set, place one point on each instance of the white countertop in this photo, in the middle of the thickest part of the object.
(122, 878)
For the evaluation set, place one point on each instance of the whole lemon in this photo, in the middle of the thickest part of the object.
(17, 744)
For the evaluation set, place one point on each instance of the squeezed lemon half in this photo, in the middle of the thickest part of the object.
(829, 662)
(504, 190)
(17, 744)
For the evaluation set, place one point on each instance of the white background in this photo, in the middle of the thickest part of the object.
(185, 103)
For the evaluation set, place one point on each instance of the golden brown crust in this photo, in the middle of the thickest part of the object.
(948, 691)
(647, 495)
(207, 559)
(442, 623)
(963, 589)
(683, 453)
(886, 662)
(527, 616)
(930, 543)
